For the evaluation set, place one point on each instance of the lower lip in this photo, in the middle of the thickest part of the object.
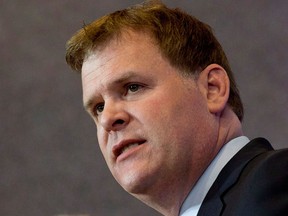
(129, 153)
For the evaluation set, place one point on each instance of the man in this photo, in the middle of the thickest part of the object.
(168, 114)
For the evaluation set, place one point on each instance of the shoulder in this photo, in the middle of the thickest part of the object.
(271, 164)
(267, 171)
(262, 184)
(253, 183)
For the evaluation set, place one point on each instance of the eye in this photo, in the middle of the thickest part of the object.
(133, 87)
(99, 108)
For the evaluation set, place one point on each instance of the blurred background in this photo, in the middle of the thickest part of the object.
(50, 163)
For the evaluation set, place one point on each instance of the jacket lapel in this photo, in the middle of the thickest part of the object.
(213, 203)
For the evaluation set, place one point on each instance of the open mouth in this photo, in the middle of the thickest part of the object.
(125, 146)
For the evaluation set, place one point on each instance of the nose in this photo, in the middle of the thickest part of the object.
(114, 117)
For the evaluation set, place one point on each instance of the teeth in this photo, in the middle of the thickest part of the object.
(129, 147)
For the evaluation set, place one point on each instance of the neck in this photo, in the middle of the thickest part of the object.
(229, 127)
(167, 200)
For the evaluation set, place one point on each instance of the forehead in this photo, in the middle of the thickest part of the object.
(131, 51)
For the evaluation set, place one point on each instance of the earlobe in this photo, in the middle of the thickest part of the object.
(216, 86)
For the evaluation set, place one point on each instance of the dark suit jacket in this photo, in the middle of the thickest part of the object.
(253, 183)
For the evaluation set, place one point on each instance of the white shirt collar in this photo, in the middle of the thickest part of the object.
(195, 198)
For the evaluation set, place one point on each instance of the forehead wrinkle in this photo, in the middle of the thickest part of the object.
(91, 74)
(95, 58)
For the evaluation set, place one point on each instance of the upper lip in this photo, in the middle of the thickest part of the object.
(117, 149)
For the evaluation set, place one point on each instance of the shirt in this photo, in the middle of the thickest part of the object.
(195, 198)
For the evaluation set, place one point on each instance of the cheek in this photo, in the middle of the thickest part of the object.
(102, 140)
(186, 118)
(158, 117)
(146, 111)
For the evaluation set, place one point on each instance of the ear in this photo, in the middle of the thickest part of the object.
(214, 84)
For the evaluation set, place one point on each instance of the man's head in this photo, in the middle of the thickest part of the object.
(161, 118)
(186, 42)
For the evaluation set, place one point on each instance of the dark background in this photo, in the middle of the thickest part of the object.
(50, 163)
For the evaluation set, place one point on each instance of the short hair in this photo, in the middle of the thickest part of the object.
(187, 43)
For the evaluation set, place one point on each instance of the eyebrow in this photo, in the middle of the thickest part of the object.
(88, 105)
(121, 79)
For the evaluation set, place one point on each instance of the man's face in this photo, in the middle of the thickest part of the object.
(153, 125)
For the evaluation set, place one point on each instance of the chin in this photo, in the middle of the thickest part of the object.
(135, 183)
